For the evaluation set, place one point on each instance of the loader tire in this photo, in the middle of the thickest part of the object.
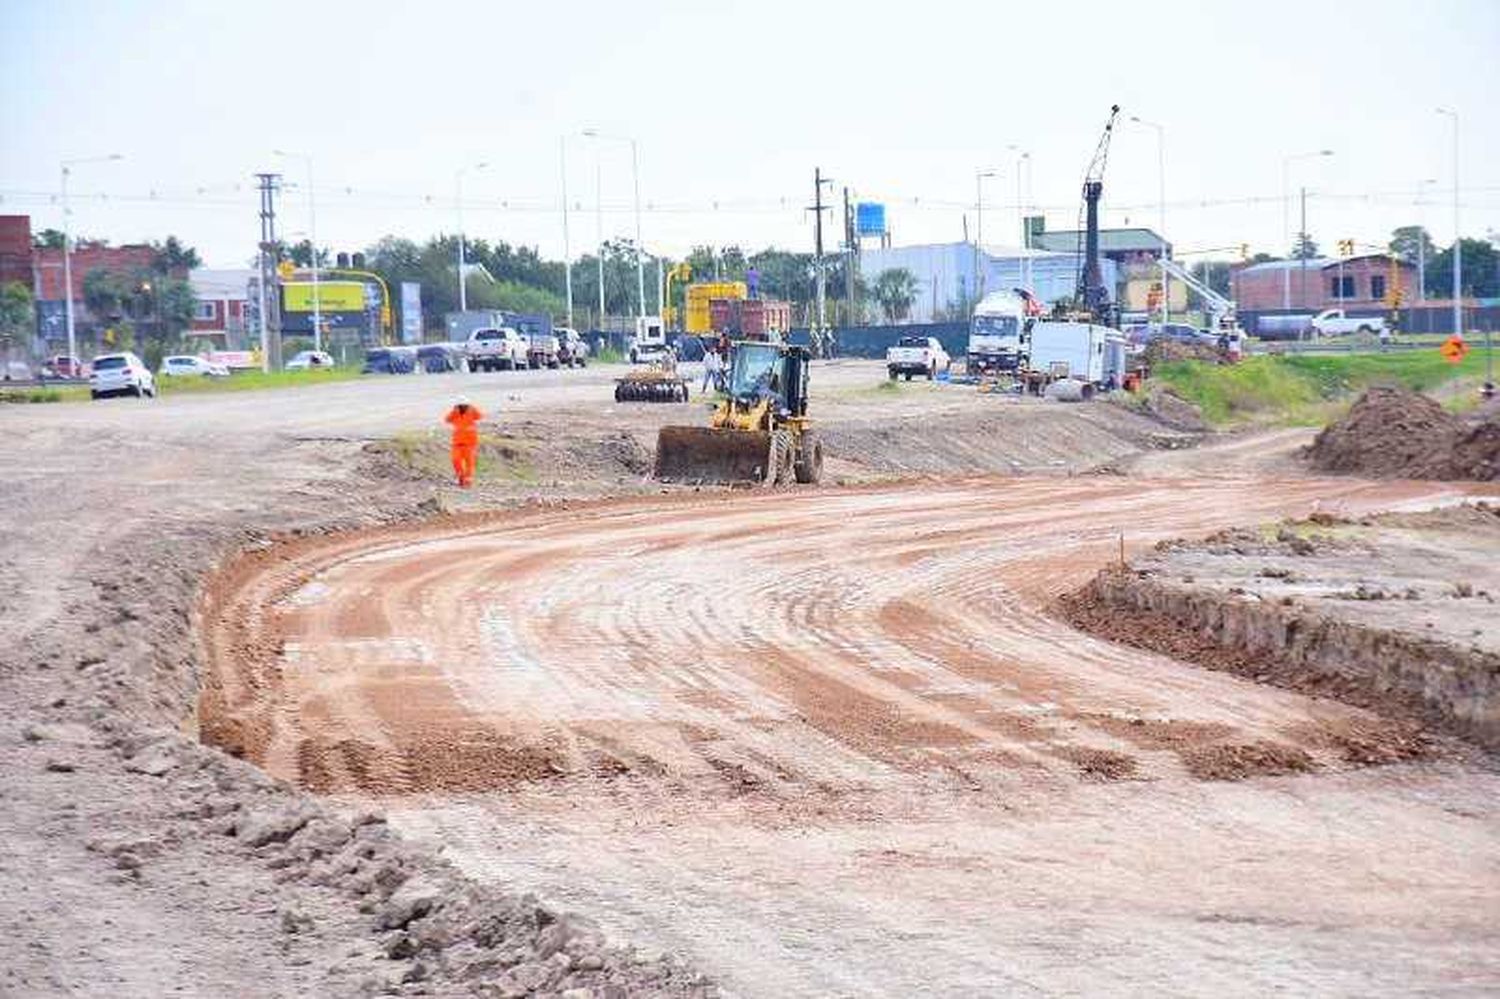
(779, 459)
(809, 467)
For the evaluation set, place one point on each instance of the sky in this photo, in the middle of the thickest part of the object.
(732, 106)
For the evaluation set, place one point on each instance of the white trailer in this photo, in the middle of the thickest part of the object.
(1055, 350)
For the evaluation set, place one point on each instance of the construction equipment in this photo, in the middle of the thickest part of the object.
(1091, 296)
(654, 381)
(760, 433)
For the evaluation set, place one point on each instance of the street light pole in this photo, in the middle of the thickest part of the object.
(1286, 223)
(67, 170)
(463, 253)
(1161, 193)
(1422, 240)
(979, 176)
(562, 158)
(312, 227)
(1458, 243)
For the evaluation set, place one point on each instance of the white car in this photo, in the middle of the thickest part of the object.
(1336, 322)
(917, 355)
(307, 359)
(492, 348)
(116, 374)
(187, 366)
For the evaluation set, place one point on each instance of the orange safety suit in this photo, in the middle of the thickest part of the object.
(464, 447)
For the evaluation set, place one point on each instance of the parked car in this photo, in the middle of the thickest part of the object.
(389, 361)
(16, 371)
(917, 355)
(439, 357)
(64, 366)
(121, 374)
(1336, 322)
(542, 350)
(1176, 332)
(572, 348)
(308, 359)
(494, 347)
(187, 366)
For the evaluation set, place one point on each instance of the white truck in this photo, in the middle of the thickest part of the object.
(1335, 322)
(1057, 350)
(492, 348)
(995, 333)
(916, 355)
(572, 348)
(650, 341)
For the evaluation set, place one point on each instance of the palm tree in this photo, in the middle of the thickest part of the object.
(895, 290)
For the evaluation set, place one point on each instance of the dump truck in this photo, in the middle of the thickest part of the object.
(760, 433)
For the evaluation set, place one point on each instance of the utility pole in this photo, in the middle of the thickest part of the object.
(1302, 252)
(599, 227)
(851, 253)
(269, 345)
(818, 209)
(562, 157)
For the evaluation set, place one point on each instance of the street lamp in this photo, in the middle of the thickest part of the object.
(1023, 159)
(1458, 243)
(1422, 239)
(562, 157)
(979, 176)
(1161, 194)
(1286, 223)
(635, 173)
(312, 213)
(458, 200)
(67, 170)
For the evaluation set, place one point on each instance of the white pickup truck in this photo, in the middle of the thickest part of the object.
(916, 355)
(1334, 322)
(494, 347)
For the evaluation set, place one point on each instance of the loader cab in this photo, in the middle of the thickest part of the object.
(761, 370)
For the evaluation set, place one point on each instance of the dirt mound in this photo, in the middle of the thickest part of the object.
(1393, 433)
(1161, 351)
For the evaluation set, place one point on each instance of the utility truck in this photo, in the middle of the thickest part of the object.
(650, 340)
(995, 332)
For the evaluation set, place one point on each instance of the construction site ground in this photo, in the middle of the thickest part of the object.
(815, 742)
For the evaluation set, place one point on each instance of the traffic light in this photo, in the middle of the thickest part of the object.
(358, 260)
(1346, 247)
(1244, 251)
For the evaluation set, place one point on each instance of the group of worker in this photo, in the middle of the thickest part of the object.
(716, 365)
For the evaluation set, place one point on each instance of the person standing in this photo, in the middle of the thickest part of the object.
(464, 446)
(711, 368)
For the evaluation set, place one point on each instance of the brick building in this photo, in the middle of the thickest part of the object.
(15, 250)
(1359, 284)
(126, 260)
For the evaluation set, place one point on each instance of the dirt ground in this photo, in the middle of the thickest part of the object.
(820, 742)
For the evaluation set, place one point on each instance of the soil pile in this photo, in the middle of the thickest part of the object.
(1162, 350)
(1393, 433)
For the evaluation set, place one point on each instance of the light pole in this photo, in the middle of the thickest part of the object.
(1023, 159)
(458, 201)
(1286, 217)
(312, 216)
(67, 169)
(635, 173)
(979, 176)
(562, 159)
(1458, 242)
(1161, 194)
(1422, 240)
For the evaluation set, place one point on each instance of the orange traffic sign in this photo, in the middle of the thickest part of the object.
(1454, 349)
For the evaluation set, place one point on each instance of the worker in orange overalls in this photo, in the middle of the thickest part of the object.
(464, 419)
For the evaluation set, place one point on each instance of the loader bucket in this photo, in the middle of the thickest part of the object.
(703, 454)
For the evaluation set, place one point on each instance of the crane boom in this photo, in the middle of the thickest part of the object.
(1221, 308)
(1091, 295)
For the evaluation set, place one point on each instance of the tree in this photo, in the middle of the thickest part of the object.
(48, 239)
(173, 256)
(1406, 240)
(1305, 248)
(301, 254)
(105, 293)
(1481, 271)
(895, 290)
(1264, 258)
(16, 315)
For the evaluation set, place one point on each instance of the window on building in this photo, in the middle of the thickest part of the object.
(1341, 287)
(1377, 286)
(204, 311)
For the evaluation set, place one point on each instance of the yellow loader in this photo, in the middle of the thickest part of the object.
(759, 433)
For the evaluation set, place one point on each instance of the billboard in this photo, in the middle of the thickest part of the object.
(411, 312)
(869, 219)
(333, 296)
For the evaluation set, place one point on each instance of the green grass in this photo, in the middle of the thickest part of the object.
(1298, 389)
(609, 356)
(30, 395)
(242, 381)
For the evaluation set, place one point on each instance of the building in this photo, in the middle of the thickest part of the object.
(221, 306)
(945, 274)
(1360, 284)
(1135, 253)
(15, 251)
(128, 260)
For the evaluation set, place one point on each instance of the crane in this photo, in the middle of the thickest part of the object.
(1091, 296)
(1221, 310)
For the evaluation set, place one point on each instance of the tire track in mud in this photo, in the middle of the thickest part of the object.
(837, 638)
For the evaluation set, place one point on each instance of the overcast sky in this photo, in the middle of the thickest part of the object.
(733, 105)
